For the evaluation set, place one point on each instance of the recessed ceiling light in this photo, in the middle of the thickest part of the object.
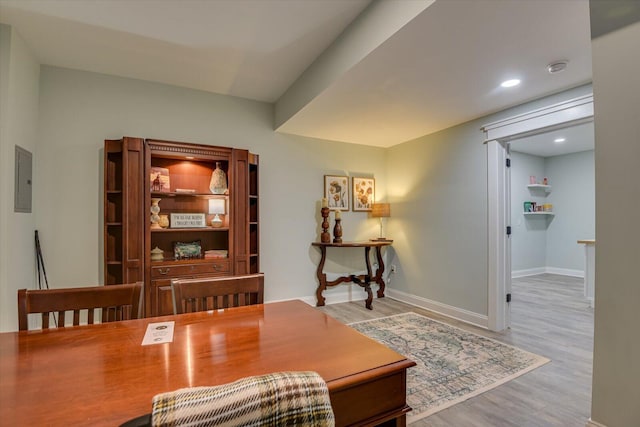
(557, 66)
(510, 83)
(559, 140)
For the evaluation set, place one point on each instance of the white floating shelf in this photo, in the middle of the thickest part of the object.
(546, 188)
(539, 213)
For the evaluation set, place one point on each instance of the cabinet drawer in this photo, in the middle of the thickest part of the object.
(213, 267)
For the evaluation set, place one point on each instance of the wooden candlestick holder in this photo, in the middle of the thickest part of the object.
(325, 237)
(337, 231)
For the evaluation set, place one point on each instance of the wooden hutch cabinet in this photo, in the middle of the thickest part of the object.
(175, 177)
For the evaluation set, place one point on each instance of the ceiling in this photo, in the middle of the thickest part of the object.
(375, 73)
(576, 138)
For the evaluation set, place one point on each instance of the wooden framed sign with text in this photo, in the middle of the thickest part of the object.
(188, 220)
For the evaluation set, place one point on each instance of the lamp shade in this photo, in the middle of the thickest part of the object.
(381, 210)
(216, 206)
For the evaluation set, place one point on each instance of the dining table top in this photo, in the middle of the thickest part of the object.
(103, 375)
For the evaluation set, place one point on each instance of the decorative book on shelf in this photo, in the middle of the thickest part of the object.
(216, 253)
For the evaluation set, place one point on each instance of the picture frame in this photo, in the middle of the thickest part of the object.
(364, 194)
(188, 220)
(187, 250)
(336, 191)
(159, 180)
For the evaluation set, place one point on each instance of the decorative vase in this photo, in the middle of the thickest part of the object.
(157, 254)
(218, 183)
(155, 209)
(163, 221)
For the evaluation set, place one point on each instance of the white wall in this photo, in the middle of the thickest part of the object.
(78, 110)
(616, 90)
(529, 233)
(572, 177)
(541, 243)
(18, 126)
(437, 185)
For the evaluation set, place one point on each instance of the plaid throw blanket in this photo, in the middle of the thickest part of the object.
(278, 399)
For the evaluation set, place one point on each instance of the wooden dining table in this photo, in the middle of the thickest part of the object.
(103, 375)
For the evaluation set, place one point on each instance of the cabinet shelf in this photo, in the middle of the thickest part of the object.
(546, 188)
(178, 262)
(195, 229)
(204, 195)
(538, 213)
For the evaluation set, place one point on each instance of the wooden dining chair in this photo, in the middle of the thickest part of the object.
(117, 302)
(213, 293)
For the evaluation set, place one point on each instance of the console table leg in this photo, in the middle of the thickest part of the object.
(367, 287)
(378, 279)
(366, 284)
(322, 278)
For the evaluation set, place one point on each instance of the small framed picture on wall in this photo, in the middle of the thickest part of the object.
(364, 194)
(336, 191)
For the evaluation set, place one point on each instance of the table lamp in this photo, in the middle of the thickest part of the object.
(217, 208)
(381, 210)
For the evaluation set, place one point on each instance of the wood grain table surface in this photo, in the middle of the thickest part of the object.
(102, 375)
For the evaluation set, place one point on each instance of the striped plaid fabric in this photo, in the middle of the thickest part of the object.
(277, 399)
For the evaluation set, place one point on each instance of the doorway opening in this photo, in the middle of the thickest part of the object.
(552, 182)
(499, 135)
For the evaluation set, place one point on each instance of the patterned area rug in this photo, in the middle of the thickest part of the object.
(453, 365)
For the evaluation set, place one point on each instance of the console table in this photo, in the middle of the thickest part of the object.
(363, 280)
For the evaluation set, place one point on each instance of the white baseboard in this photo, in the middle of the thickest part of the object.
(551, 270)
(333, 296)
(592, 423)
(440, 308)
(565, 272)
(528, 272)
(357, 294)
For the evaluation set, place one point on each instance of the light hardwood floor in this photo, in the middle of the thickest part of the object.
(550, 317)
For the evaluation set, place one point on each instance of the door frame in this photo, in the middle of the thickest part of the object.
(497, 137)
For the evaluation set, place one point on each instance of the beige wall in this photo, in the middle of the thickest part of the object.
(616, 367)
(18, 126)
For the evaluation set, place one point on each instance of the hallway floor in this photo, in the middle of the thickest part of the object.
(550, 317)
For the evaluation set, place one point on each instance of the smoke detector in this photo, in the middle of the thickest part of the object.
(557, 66)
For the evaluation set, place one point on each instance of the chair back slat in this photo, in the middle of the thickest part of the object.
(110, 299)
(45, 321)
(214, 293)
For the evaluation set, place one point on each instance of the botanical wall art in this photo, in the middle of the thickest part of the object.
(336, 191)
(364, 190)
